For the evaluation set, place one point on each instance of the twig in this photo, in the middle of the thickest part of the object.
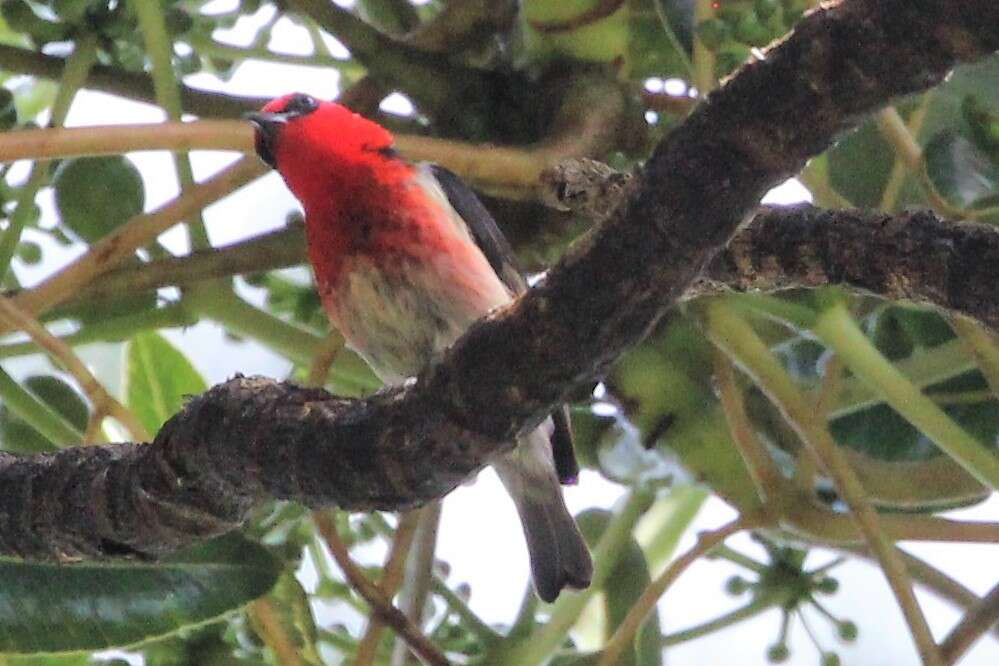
(419, 572)
(62, 142)
(494, 165)
(132, 85)
(102, 401)
(395, 565)
(766, 477)
(981, 346)
(909, 152)
(268, 627)
(140, 230)
(930, 577)
(370, 592)
(323, 359)
(624, 636)
(899, 169)
(972, 626)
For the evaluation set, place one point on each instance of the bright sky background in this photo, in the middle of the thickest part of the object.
(480, 535)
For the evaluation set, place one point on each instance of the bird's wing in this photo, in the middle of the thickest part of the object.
(482, 227)
(496, 248)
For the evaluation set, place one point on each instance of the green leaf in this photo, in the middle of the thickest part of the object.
(15, 433)
(53, 608)
(158, 379)
(859, 165)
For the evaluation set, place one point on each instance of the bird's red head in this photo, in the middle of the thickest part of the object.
(319, 147)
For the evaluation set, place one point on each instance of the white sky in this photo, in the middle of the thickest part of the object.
(480, 536)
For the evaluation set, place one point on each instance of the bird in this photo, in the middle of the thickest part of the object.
(406, 258)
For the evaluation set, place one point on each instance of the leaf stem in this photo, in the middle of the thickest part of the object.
(102, 401)
(758, 605)
(704, 59)
(268, 627)
(49, 423)
(614, 649)
(112, 330)
(739, 340)
(73, 76)
(223, 306)
(840, 332)
(159, 49)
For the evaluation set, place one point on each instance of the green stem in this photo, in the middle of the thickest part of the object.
(536, 648)
(737, 338)
(704, 58)
(205, 45)
(925, 368)
(983, 347)
(776, 308)
(218, 303)
(49, 423)
(758, 605)
(112, 330)
(159, 48)
(735, 557)
(670, 516)
(840, 332)
(74, 75)
(458, 606)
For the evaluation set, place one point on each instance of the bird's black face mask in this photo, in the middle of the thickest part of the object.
(269, 123)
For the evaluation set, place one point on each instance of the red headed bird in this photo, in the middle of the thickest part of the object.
(406, 258)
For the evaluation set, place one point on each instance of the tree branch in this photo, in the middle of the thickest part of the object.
(251, 439)
(132, 85)
(972, 626)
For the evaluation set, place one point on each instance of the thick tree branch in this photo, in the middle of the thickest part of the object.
(251, 439)
(913, 255)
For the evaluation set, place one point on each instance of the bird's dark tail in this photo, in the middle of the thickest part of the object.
(559, 556)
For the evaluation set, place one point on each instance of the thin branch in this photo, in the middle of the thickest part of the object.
(492, 165)
(931, 578)
(395, 566)
(419, 572)
(437, 84)
(137, 232)
(762, 469)
(371, 593)
(323, 359)
(102, 401)
(625, 634)
(265, 620)
(972, 626)
(132, 85)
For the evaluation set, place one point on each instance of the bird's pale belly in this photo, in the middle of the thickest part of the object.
(398, 319)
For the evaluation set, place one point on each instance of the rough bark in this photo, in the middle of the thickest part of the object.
(250, 439)
(913, 256)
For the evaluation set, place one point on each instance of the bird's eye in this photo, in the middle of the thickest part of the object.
(300, 105)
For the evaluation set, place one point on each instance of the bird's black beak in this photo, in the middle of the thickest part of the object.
(268, 130)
